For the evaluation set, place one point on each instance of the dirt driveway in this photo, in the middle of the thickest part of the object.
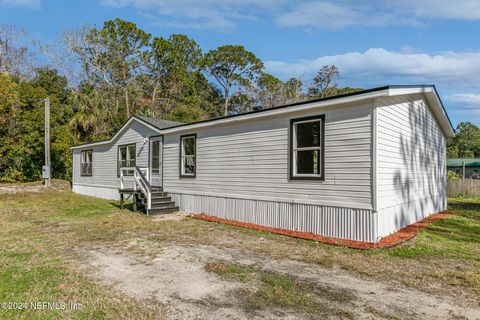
(177, 276)
(59, 246)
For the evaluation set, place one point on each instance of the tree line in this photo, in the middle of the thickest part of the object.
(97, 77)
(466, 143)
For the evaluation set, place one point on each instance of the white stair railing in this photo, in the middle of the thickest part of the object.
(140, 183)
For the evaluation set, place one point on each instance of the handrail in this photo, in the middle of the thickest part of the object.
(143, 177)
(139, 180)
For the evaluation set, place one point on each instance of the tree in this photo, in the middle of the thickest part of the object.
(21, 129)
(174, 62)
(466, 143)
(114, 57)
(232, 65)
(293, 90)
(12, 54)
(92, 119)
(271, 91)
(323, 80)
(243, 102)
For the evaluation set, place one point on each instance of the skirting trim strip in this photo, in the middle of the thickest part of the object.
(390, 241)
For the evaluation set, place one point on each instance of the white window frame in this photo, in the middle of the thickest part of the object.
(294, 149)
(156, 169)
(183, 156)
(84, 161)
(128, 158)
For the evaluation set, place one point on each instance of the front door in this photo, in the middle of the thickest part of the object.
(156, 146)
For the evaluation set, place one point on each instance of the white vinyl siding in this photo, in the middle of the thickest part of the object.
(104, 171)
(411, 162)
(251, 158)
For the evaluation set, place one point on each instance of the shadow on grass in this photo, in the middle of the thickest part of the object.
(457, 236)
(466, 205)
(127, 206)
(457, 229)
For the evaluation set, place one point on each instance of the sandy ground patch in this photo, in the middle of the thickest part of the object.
(12, 189)
(176, 216)
(176, 278)
(57, 185)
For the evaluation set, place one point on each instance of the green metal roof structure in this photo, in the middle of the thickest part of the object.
(469, 162)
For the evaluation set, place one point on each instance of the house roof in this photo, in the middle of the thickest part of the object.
(160, 123)
(429, 91)
(458, 162)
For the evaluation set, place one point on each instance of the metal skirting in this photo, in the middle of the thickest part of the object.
(396, 217)
(336, 222)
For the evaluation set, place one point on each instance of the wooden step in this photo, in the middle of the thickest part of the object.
(163, 205)
(155, 195)
(162, 211)
(161, 200)
(126, 190)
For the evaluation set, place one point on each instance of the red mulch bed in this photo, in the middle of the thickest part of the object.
(390, 241)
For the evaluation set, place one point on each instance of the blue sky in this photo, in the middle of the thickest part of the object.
(373, 42)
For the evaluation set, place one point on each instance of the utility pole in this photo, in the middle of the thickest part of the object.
(46, 170)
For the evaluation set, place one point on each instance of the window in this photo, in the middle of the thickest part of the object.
(156, 157)
(188, 155)
(86, 163)
(307, 148)
(126, 158)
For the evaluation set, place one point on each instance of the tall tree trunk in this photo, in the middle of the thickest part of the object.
(227, 97)
(154, 97)
(127, 107)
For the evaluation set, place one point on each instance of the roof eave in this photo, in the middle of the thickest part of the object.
(433, 99)
(304, 106)
(131, 119)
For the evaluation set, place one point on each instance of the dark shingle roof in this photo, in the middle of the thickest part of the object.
(160, 123)
(469, 162)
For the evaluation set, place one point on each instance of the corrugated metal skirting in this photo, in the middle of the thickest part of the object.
(346, 223)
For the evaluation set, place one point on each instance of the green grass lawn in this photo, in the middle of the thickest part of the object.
(457, 237)
(41, 234)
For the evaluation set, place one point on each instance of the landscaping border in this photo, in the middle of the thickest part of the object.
(390, 241)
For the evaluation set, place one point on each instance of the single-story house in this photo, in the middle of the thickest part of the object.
(356, 166)
(467, 168)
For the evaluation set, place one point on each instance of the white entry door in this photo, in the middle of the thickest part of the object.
(156, 147)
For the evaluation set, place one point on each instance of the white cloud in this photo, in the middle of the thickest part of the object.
(440, 9)
(382, 66)
(341, 14)
(469, 99)
(206, 14)
(306, 14)
(33, 4)
(465, 104)
(457, 74)
(337, 15)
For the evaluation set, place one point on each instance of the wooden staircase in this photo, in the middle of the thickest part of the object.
(150, 199)
(160, 202)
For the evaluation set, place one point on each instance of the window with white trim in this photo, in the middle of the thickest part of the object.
(127, 158)
(306, 148)
(156, 157)
(188, 145)
(86, 157)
